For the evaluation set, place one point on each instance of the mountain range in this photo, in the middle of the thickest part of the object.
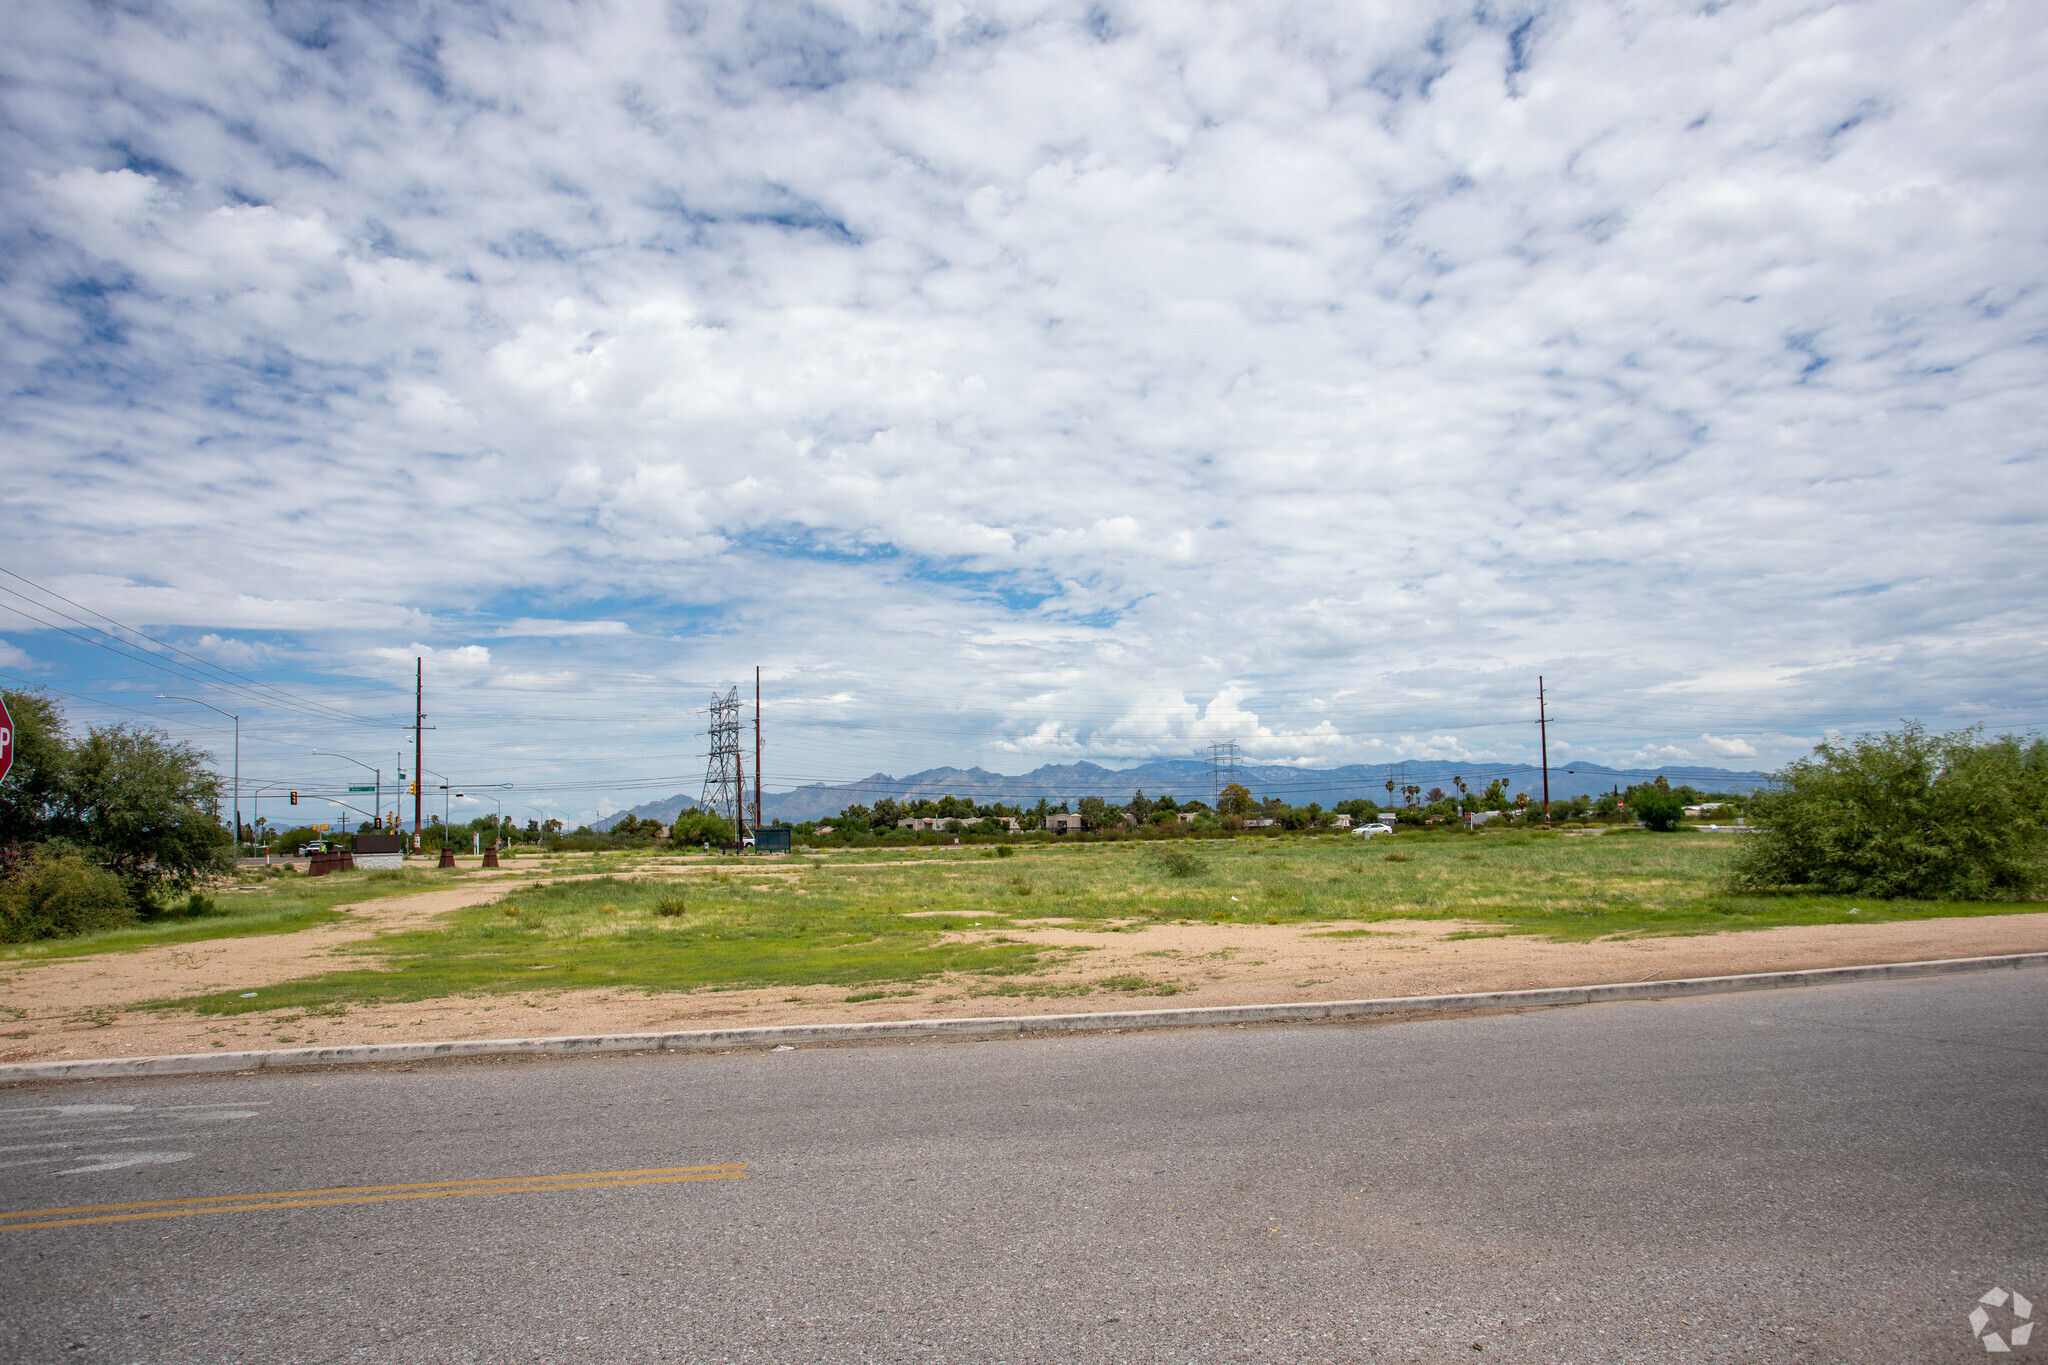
(1184, 777)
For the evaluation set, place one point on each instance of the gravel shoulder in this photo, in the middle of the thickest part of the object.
(89, 1007)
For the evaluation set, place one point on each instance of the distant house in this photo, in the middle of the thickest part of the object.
(1186, 817)
(1063, 824)
(927, 823)
(1343, 822)
(826, 829)
(1263, 822)
(1480, 817)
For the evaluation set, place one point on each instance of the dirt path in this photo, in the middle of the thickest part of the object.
(82, 1008)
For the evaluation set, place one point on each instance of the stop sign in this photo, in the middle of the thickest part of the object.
(6, 739)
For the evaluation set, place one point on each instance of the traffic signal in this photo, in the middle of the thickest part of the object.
(295, 798)
(415, 789)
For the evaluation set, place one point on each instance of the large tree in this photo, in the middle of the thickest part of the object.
(148, 809)
(1234, 800)
(32, 794)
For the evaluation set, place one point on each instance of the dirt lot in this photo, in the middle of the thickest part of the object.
(87, 1007)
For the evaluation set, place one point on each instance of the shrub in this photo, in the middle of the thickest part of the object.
(1660, 810)
(695, 828)
(59, 895)
(1906, 814)
(1178, 862)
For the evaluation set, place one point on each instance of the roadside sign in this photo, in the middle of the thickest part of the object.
(362, 789)
(6, 740)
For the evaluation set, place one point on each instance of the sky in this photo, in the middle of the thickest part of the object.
(1018, 383)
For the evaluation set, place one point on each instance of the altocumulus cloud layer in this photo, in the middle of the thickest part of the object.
(1102, 379)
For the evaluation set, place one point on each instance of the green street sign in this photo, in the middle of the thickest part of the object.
(362, 789)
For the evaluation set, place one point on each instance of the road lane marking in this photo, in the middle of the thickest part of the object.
(83, 1214)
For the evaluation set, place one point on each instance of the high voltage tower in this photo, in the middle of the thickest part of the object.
(1222, 766)
(724, 776)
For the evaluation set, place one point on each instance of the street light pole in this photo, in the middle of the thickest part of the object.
(238, 757)
(444, 797)
(256, 811)
(376, 773)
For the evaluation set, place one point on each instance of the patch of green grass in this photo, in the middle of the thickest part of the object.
(283, 905)
(854, 922)
(737, 932)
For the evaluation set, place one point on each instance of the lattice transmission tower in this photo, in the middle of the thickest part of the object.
(1222, 766)
(724, 780)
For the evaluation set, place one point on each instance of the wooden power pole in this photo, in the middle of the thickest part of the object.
(419, 714)
(1543, 729)
(757, 750)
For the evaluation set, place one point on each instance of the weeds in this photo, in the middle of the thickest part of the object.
(866, 924)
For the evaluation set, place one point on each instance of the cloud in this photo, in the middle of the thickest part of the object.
(529, 626)
(462, 659)
(1073, 386)
(1729, 746)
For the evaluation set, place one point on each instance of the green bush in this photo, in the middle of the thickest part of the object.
(1906, 815)
(60, 895)
(695, 828)
(1660, 810)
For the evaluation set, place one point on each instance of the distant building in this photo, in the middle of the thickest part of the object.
(1063, 824)
(1343, 822)
(953, 823)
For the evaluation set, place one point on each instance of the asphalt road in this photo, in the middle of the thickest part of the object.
(1823, 1174)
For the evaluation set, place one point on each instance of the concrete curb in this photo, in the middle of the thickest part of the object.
(704, 1040)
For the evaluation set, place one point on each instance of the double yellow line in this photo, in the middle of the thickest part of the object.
(30, 1219)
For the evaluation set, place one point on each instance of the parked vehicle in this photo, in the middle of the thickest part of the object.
(317, 847)
(1367, 831)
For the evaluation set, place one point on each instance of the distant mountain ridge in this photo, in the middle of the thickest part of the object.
(1186, 777)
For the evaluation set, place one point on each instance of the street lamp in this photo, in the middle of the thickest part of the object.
(497, 807)
(378, 773)
(238, 757)
(444, 796)
(256, 811)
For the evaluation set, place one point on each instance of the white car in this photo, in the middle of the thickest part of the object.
(1367, 831)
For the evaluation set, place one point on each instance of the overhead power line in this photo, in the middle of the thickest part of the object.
(186, 665)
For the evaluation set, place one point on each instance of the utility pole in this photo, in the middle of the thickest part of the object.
(757, 746)
(419, 716)
(1543, 729)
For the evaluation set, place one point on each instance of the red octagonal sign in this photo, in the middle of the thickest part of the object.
(6, 739)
